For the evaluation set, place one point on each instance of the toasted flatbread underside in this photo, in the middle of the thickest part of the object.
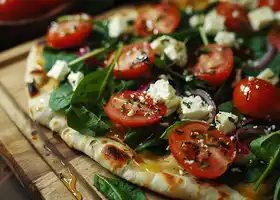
(160, 174)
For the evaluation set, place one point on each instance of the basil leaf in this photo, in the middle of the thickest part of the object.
(277, 190)
(86, 122)
(229, 107)
(115, 189)
(52, 55)
(61, 97)
(172, 127)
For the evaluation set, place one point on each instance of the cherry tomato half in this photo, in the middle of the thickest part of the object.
(257, 98)
(216, 66)
(274, 36)
(133, 109)
(68, 34)
(161, 18)
(18, 9)
(204, 153)
(274, 4)
(134, 61)
(236, 15)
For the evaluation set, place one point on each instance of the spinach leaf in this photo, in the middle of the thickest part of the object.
(52, 55)
(172, 127)
(254, 173)
(156, 142)
(267, 148)
(92, 86)
(229, 107)
(86, 122)
(115, 189)
(276, 195)
(61, 97)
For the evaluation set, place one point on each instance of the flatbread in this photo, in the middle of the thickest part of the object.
(162, 175)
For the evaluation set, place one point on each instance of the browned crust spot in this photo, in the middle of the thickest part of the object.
(37, 72)
(116, 156)
(173, 181)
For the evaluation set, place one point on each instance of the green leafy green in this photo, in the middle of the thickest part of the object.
(229, 107)
(156, 142)
(52, 55)
(267, 148)
(86, 122)
(61, 97)
(172, 127)
(276, 195)
(115, 189)
(254, 173)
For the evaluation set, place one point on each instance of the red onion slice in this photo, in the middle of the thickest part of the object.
(92, 62)
(264, 60)
(206, 97)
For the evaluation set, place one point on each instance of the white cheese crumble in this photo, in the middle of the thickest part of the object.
(119, 23)
(74, 78)
(261, 17)
(214, 23)
(225, 122)
(175, 50)
(248, 4)
(277, 15)
(196, 20)
(269, 76)
(161, 90)
(225, 38)
(59, 70)
(194, 107)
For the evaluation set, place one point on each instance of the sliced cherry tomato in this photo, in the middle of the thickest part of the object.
(161, 18)
(133, 109)
(18, 9)
(257, 98)
(204, 153)
(68, 34)
(236, 16)
(216, 66)
(274, 4)
(274, 36)
(134, 61)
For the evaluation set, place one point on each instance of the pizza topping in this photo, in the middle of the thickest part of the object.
(59, 70)
(161, 18)
(225, 122)
(225, 38)
(214, 23)
(261, 18)
(205, 154)
(74, 78)
(133, 109)
(269, 76)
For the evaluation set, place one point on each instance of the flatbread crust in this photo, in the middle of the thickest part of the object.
(160, 175)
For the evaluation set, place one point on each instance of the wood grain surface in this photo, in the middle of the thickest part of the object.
(39, 158)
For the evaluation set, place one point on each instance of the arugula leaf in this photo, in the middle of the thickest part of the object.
(156, 142)
(86, 122)
(115, 189)
(52, 55)
(172, 127)
(61, 97)
(229, 107)
(267, 148)
(277, 190)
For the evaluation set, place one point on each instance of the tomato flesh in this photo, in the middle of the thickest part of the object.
(236, 15)
(134, 61)
(257, 98)
(274, 36)
(214, 67)
(134, 109)
(204, 153)
(68, 34)
(161, 18)
(273, 4)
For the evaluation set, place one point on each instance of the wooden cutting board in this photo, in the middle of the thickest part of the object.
(41, 161)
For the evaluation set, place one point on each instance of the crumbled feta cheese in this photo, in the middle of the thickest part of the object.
(225, 38)
(188, 10)
(214, 23)
(269, 76)
(194, 107)
(225, 122)
(59, 70)
(161, 90)
(277, 15)
(196, 20)
(189, 78)
(175, 50)
(249, 4)
(74, 78)
(261, 17)
(119, 23)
